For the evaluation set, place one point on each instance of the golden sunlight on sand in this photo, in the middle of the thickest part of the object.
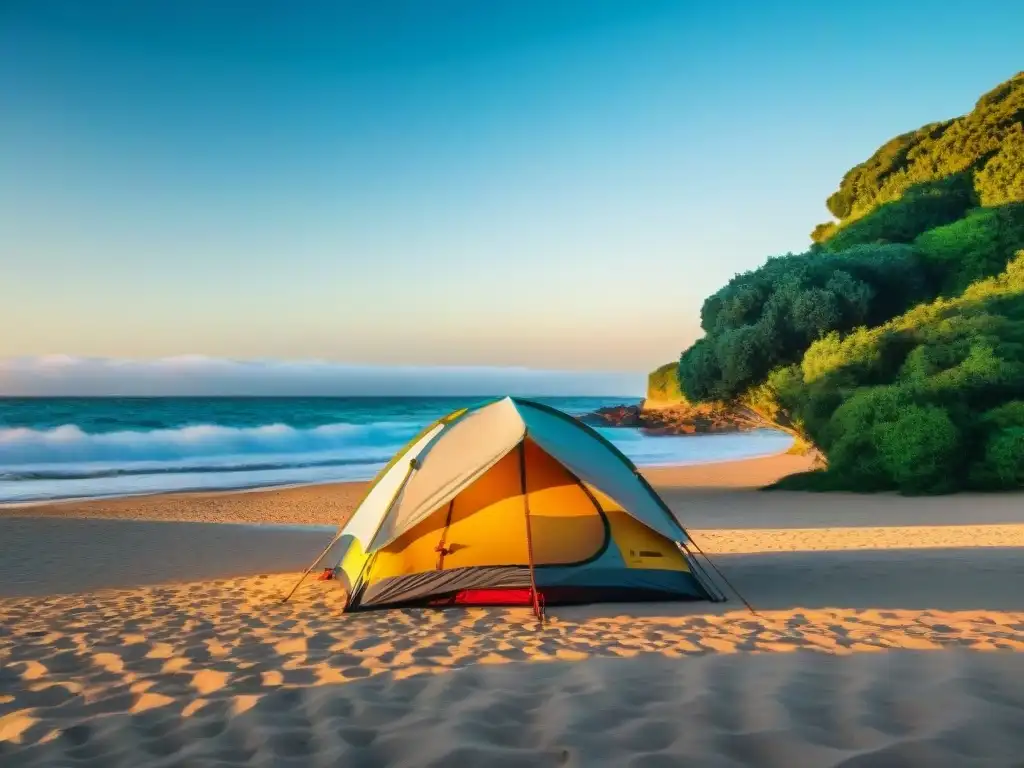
(223, 671)
(883, 637)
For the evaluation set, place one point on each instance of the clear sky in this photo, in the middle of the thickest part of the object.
(505, 183)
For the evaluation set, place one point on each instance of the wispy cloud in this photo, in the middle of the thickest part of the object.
(56, 375)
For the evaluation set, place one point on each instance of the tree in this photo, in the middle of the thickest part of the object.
(769, 316)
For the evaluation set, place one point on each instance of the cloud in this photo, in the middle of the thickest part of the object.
(197, 375)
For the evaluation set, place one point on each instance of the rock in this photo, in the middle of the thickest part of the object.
(614, 416)
(702, 419)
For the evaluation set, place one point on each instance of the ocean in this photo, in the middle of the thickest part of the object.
(71, 448)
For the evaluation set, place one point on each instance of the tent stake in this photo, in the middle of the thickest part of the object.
(722, 577)
(314, 565)
(413, 465)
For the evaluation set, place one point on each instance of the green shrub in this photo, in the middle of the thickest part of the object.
(1004, 459)
(1007, 416)
(974, 247)
(823, 231)
(768, 317)
(921, 208)
(947, 373)
(987, 144)
(1001, 179)
(663, 384)
(918, 451)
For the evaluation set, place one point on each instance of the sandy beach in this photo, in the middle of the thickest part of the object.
(888, 631)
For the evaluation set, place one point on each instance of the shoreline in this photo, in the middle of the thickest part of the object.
(82, 478)
(319, 504)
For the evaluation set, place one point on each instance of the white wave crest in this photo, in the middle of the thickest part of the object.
(23, 448)
(67, 462)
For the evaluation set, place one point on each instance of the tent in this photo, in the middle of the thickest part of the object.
(512, 502)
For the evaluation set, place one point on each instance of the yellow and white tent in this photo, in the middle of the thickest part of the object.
(512, 502)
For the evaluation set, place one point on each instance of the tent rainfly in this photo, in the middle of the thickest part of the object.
(512, 502)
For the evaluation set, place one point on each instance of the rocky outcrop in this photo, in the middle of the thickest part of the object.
(703, 419)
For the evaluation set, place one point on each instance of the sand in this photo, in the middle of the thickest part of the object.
(332, 503)
(888, 631)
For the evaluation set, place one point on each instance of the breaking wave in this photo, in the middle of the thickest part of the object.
(68, 462)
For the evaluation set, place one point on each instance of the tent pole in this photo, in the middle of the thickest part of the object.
(441, 549)
(413, 465)
(314, 565)
(366, 495)
(538, 612)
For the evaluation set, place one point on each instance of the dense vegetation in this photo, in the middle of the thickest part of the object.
(984, 148)
(663, 385)
(896, 343)
(768, 317)
(930, 401)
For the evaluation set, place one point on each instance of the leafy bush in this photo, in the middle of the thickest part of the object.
(1007, 416)
(918, 450)
(987, 144)
(823, 231)
(1003, 466)
(974, 247)
(928, 402)
(921, 208)
(769, 316)
(663, 384)
(1001, 179)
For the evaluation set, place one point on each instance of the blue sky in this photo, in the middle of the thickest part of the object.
(540, 184)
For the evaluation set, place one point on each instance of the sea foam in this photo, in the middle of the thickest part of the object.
(32, 460)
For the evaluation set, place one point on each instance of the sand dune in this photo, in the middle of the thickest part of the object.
(884, 635)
